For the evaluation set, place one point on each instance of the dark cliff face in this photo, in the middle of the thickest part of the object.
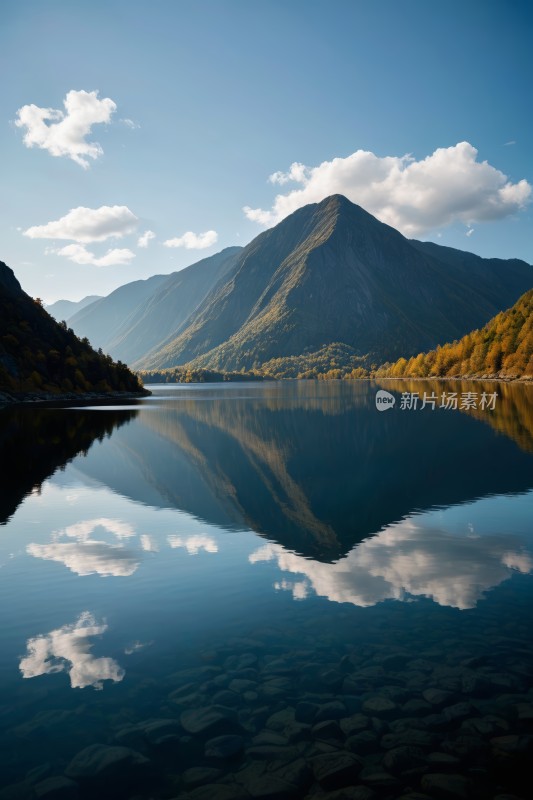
(9, 285)
(37, 354)
(331, 272)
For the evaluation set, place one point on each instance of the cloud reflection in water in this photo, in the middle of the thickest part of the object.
(69, 649)
(88, 554)
(406, 561)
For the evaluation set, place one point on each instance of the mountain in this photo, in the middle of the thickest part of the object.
(38, 354)
(144, 315)
(331, 273)
(64, 309)
(503, 348)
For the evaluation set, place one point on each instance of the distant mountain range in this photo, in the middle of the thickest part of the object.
(40, 355)
(502, 348)
(329, 274)
(64, 309)
(143, 316)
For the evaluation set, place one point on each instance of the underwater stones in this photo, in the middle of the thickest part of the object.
(436, 722)
(272, 752)
(225, 697)
(524, 712)
(57, 788)
(394, 662)
(279, 666)
(305, 711)
(18, 791)
(270, 737)
(218, 791)
(270, 787)
(105, 761)
(280, 719)
(379, 706)
(459, 711)
(355, 724)
(379, 779)
(200, 775)
(240, 661)
(405, 757)
(512, 745)
(336, 770)
(363, 742)
(297, 773)
(442, 760)
(204, 721)
(412, 737)
(224, 746)
(327, 730)
(348, 793)
(332, 710)
(416, 708)
(438, 697)
(446, 786)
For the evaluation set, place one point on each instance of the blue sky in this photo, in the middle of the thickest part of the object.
(205, 100)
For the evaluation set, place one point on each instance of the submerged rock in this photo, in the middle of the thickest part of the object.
(103, 761)
(203, 721)
(224, 746)
(58, 788)
(446, 786)
(336, 770)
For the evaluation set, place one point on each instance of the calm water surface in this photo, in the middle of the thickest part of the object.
(268, 591)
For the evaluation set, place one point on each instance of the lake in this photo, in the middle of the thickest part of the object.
(269, 590)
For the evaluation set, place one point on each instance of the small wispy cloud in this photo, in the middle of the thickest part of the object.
(508, 144)
(469, 232)
(64, 133)
(193, 241)
(144, 240)
(129, 123)
(79, 254)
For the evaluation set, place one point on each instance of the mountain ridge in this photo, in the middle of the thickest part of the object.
(331, 272)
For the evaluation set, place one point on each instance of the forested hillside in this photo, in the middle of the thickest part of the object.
(38, 354)
(502, 348)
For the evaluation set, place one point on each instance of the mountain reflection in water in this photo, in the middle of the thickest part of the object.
(314, 466)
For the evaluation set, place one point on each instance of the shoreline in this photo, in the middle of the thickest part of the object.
(46, 399)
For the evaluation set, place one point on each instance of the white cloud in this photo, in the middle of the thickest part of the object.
(69, 649)
(86, 225)
(88, 555)
(129, 123)
(415, 197)
(193, 544)
(193, 241)
(63, 133)
(402, 562)
(469, 232)
(144, 240)
(80, 255)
